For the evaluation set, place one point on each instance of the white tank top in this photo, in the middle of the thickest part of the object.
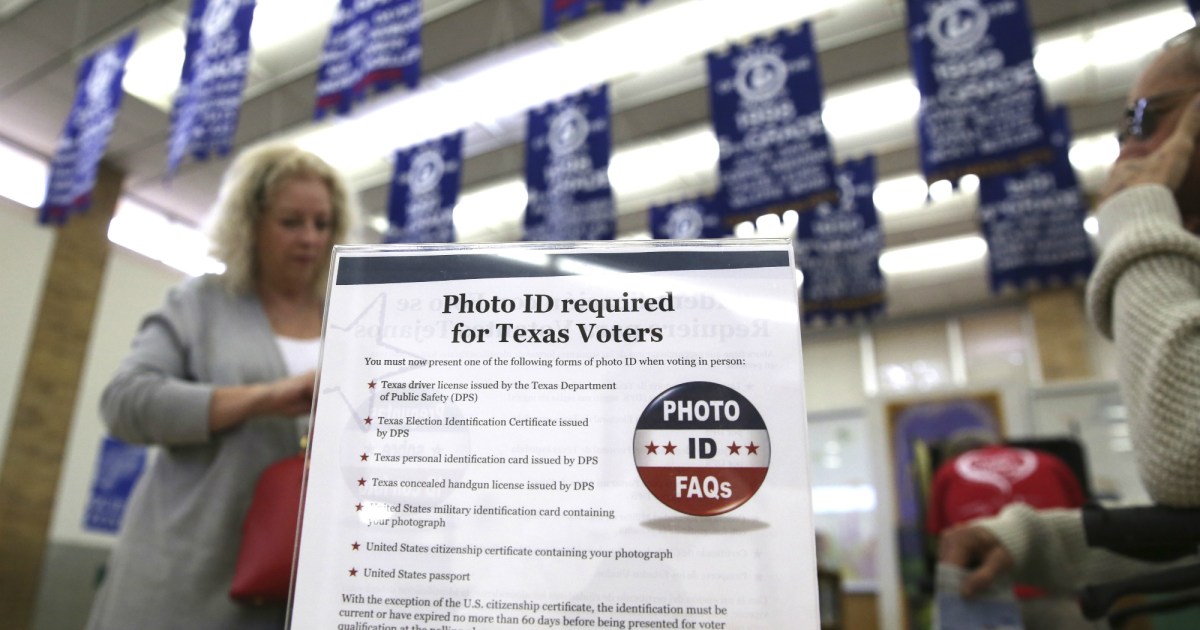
(299, 356)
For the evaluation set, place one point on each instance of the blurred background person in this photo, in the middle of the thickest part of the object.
(221, 379)
(979, 477)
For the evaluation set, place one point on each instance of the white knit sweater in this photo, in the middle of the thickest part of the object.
(1144, 295)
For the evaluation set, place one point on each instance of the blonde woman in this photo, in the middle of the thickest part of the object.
(220, 378)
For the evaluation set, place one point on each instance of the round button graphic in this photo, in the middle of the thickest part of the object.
(701, 448)
(760, 76)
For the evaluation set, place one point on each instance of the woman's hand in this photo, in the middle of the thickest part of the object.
(291, 396)
(975, 549)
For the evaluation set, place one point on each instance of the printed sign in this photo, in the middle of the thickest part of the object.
(86, 133)
(424, 190)
(205, 113)
(766, 111)
(470, 463)
(118, 469)
(1032, 220)
(691, 218)
(838, 247)
(982, 109)
(567, 148)
(371, 46)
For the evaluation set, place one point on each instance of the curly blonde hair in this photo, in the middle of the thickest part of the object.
(249, 182)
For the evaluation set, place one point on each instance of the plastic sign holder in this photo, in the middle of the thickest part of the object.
(607, 435)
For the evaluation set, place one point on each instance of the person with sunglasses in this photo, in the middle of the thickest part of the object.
(1144, 294)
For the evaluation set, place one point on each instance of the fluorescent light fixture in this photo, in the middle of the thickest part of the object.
(745, 229)
(969, 183)
(152, 234)
(1091, 225)
(941, 190)
(280, 22)
(1098, 151)
(932, 255)
(639, 170)
(789, 220)
(482, 210)
(1130, 40)
(25, 176)
(897, 194)
(153, 69)
(857, 112)
(1059, 58)
(1113, 45)
(771, 226)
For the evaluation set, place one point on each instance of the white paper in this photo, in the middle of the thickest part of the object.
(479, 469)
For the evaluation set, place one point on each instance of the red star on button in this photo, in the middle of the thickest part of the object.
(353, 572)
(362, 482)
(354, 546)
(752, 449)
(734, 449)
(367, 420)
(363, 457)
(669, 448)
(358, 507)
(652, 448)
(371, 385)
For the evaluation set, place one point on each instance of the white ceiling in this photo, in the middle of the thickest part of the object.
(861, 42)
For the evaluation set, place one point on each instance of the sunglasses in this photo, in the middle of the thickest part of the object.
(1142, 118)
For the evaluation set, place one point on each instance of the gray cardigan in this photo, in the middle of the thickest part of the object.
(173, 563)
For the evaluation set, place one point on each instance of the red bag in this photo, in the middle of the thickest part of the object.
(263, 574)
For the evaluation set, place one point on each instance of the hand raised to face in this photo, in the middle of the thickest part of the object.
(1162, 159)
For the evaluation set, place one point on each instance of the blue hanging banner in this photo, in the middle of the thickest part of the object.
(86, 133)
(371, 47)
(838, 246)
(555, 11)
(567, 147)
(766, 110)
(1033, 221)
(424, 190)
(117, 470)
(982, 109)
(205, 114)
(690, 218)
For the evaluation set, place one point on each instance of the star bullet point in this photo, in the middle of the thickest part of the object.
(353, 572)
(371, 385)
(367, 420)
(354, 546)
(358, 507)
(363, 457)
(362, 482)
